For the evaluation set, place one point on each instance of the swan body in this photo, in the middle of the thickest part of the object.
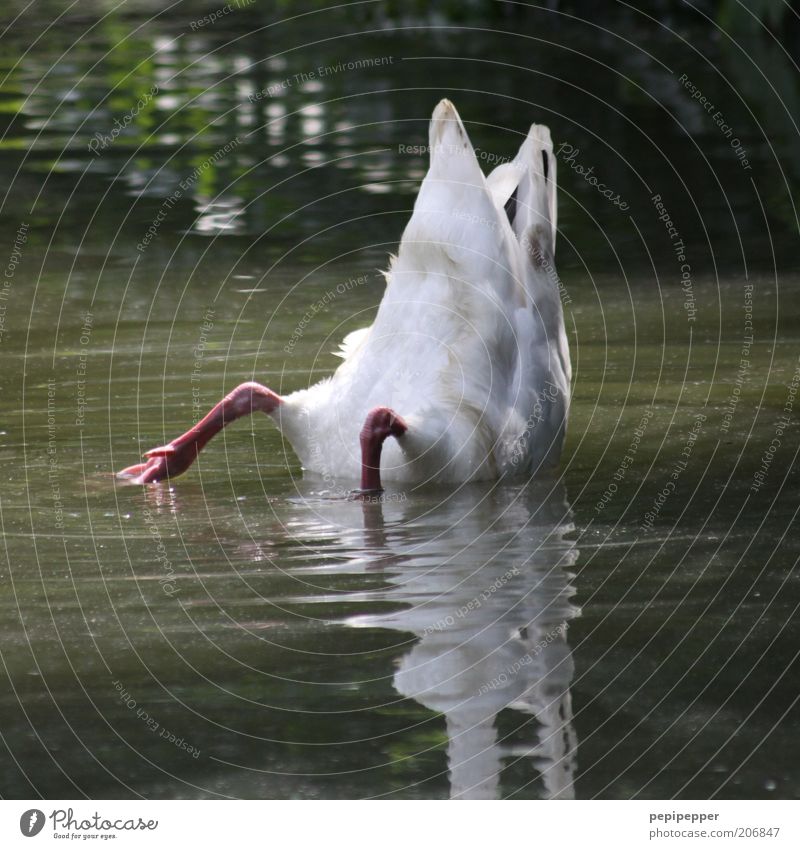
(466, 364)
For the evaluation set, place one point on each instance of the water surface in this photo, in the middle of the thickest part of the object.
(623, 628)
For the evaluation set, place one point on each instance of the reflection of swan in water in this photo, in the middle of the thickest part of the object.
(485, 575)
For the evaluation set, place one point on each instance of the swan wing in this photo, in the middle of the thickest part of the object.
(446, 316)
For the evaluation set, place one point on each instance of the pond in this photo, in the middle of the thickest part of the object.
(193, 204)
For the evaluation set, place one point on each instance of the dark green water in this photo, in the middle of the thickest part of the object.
(240, 634)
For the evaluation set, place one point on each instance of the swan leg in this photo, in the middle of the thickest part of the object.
(174, 458)
(380, 424)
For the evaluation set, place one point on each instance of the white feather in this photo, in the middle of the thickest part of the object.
(351, 342)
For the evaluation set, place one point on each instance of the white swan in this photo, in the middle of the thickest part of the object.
(466, 365)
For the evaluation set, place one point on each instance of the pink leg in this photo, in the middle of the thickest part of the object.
(173, 459)
(380, 424)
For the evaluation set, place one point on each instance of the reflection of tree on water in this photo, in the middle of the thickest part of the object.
(492, 621)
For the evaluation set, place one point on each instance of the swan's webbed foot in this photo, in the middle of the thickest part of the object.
(166, 461)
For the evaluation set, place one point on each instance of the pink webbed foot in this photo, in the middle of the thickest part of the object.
(166, 461)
